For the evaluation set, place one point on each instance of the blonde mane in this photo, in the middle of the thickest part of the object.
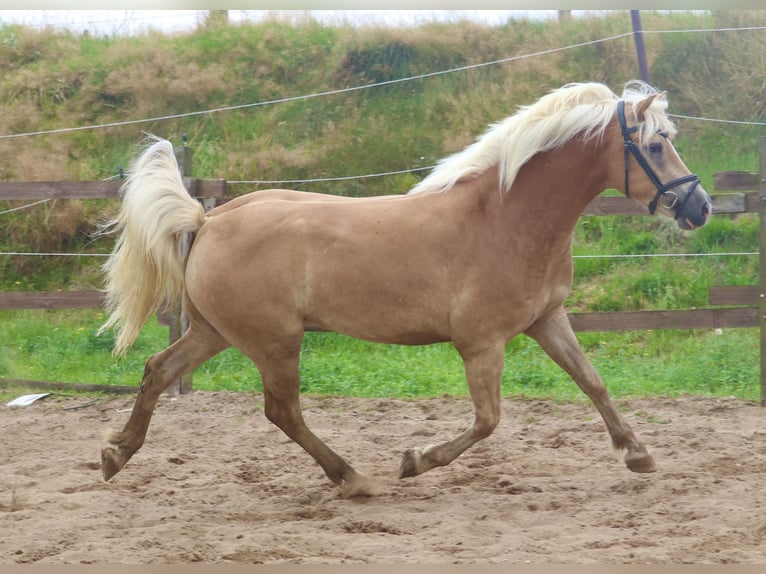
(580, 109)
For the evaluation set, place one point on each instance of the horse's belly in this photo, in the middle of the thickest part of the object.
(379, 318)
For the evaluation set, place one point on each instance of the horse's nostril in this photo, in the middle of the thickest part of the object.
(705, 210)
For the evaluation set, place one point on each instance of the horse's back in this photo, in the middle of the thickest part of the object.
(364, 267)
(290, 195)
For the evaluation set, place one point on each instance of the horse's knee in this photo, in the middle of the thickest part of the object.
(485, 425)
(284, 416)
(273, 414)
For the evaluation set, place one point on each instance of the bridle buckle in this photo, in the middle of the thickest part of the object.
(669, 200)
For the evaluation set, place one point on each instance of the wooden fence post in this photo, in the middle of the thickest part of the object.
(178, 322)
(762, 262)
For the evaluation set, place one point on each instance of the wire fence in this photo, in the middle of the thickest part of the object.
(24, 206)
(390, 173)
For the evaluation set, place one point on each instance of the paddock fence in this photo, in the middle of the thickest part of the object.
(742, 306)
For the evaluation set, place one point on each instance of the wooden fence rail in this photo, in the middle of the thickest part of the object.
(734, 306)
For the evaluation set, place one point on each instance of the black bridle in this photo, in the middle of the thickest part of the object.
(670, 199)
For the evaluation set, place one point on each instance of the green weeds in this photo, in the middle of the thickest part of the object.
(63, 346)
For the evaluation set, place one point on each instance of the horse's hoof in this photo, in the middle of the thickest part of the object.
(409, 464)
(359, 486)
(111, 462)
(640, 462)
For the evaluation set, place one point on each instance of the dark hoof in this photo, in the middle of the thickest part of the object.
(408, 466)
(640, 462)
(111, 463)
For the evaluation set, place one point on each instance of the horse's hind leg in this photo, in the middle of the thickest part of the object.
(280, 374)
(483, 371)
(555, 335)
(199, 343)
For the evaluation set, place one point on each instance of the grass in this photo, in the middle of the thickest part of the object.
(63, 346)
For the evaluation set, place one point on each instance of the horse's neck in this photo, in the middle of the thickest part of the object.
(543, 205)
(553, 188)
(546, 199)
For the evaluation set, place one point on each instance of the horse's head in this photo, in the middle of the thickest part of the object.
(654, 173)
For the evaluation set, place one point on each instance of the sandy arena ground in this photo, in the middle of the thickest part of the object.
(217, 483)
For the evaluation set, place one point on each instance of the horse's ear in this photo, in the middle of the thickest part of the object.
(643, 105)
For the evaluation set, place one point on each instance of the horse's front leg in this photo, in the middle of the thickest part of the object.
(555, 335)
(483, 371)
(198, 344)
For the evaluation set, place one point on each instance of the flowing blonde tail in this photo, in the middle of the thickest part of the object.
(146, 267)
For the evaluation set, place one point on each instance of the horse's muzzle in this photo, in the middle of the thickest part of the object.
(695, 209)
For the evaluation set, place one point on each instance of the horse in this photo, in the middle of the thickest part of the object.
(475, 254)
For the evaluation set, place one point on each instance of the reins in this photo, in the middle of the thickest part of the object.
(663, 190)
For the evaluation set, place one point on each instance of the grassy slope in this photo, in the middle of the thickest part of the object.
(56, 80)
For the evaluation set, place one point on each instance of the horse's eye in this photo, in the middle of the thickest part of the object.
(655, 147)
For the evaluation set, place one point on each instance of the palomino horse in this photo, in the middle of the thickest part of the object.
(477, 253)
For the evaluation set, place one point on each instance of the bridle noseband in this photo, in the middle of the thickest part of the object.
(672, 201)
